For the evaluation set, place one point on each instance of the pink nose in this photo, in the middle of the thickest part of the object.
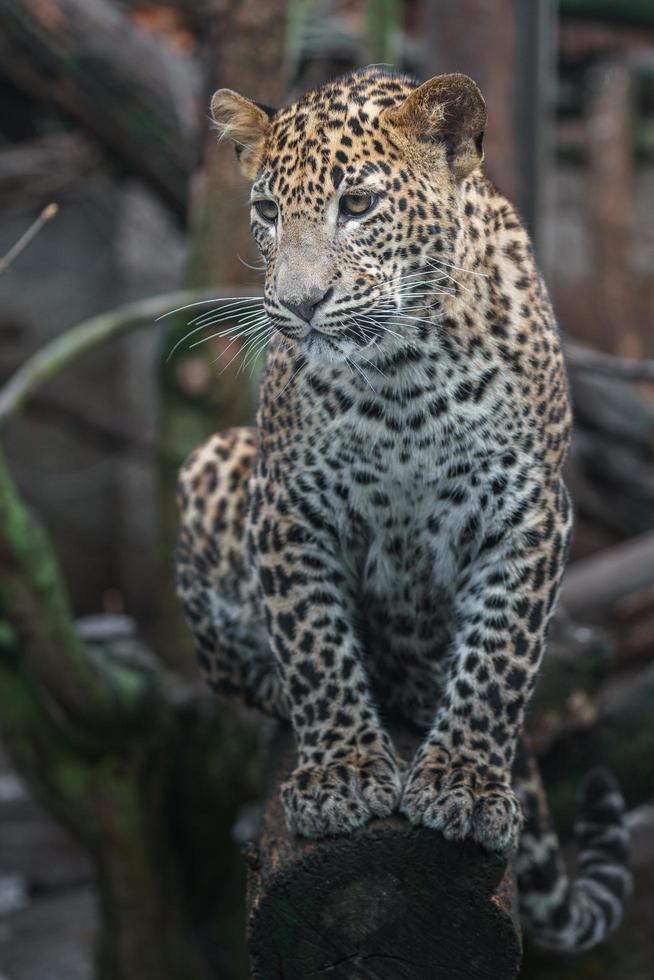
(305, 307)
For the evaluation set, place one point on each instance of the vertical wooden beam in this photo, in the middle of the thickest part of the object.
(382, 25)
(535, 97)
(611, 207)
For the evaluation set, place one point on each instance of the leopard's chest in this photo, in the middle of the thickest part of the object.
(412, 514)
(404, 477)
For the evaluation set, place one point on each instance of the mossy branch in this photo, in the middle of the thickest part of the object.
(35, 609)
(66, 348)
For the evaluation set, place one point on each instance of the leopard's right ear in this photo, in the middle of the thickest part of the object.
(246, 123)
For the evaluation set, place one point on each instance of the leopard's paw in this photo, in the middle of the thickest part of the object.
(339, 797)
(461, 802)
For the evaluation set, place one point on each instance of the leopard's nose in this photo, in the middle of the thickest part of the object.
(306, 306)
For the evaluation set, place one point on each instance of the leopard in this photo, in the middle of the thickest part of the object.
(387, 542)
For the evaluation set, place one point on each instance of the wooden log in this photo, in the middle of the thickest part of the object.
(594, 586)
(133, 95)
(389, 902)
(610, 472)
(41, 169)
(582, 358)
(613, 408)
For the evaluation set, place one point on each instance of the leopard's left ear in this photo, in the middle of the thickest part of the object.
(448, 110)
(246, 123)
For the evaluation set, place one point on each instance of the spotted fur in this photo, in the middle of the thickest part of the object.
(390, 538)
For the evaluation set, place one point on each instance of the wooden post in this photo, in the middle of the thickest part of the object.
(389, 902)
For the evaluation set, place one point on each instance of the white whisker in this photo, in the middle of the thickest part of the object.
(248, 265)
(242, 348)
(204, 302)
(459, 284)
(244, 324)
(233, 310)
(202, 326)
(256, 351)
(361, 372)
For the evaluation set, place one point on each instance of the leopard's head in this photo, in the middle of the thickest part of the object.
(357, 202)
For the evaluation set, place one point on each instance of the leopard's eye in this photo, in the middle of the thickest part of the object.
(356, 203)
(267, 209)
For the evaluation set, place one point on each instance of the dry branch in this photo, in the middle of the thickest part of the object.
(63, 350)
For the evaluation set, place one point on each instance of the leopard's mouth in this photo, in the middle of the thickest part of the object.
(358, 333)
(345, 336)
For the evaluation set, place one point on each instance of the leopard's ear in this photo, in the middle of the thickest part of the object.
(449, 111)
(246, 123)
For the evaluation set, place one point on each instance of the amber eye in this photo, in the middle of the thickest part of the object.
(267, 209)
(355, 204)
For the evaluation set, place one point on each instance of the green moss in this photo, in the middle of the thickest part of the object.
(8, 637)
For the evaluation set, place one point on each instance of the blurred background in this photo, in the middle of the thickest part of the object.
(125, 795)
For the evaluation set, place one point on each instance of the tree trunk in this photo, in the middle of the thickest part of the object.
(389, 902)
(204, 390)
(246, 50)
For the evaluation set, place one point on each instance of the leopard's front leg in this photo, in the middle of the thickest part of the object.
(460, 779)
(347, 770)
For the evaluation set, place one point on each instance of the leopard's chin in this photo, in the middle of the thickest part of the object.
(320, 347)
(326, 348)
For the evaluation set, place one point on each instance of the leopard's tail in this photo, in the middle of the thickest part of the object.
(559, 912)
